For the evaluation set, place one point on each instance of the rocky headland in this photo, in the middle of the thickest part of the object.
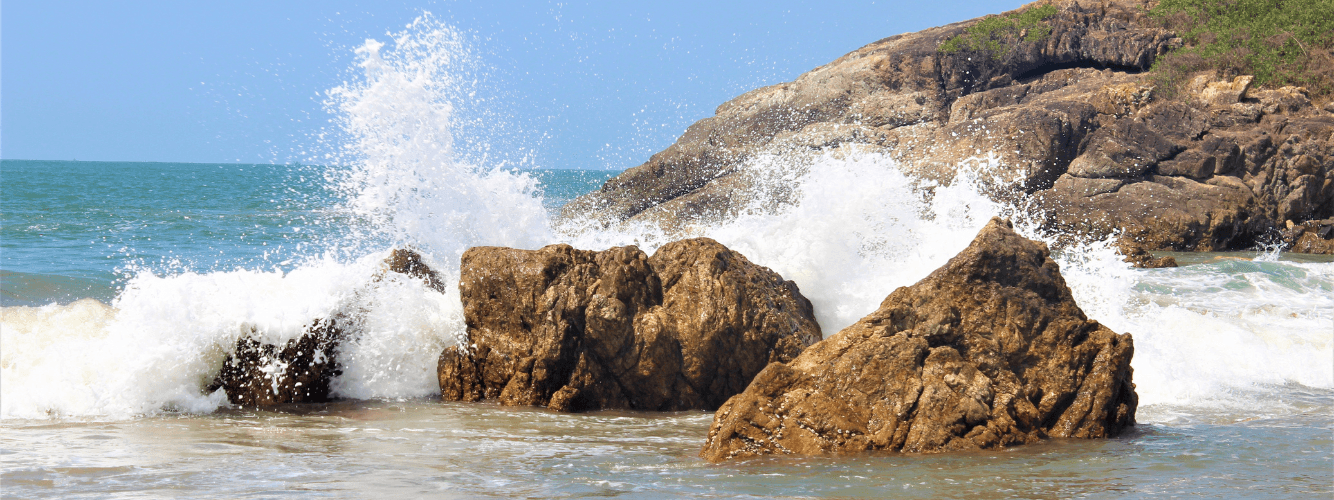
(988, 351)
(1060, 95)
(577, 330)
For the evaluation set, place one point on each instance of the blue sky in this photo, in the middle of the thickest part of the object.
(565, 84)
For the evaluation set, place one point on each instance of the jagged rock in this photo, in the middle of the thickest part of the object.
(257, 373)
(1216, 167)
(404, 261)
(988, 351)
(1316, 237)
(1219, 93)
(261, 374)
(580, 330)
(1141, 258)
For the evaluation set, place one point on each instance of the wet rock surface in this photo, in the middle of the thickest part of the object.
(1077, 127)
(1315, 236)
(580, 330)
(259, 373)
(988, 351)
(1139, 257)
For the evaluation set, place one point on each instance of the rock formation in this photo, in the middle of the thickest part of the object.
(257, 373)
(579, 330)
(1079, 129)
(262, 374)
(988, 351)
(1315, 236)
(1139, 257)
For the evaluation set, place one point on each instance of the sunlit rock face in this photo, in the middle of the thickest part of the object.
(579, 330)
(988, 351)
(1070, 126)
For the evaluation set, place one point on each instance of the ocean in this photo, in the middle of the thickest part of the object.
(125, 283)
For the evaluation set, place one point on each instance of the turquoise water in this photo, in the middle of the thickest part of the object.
(71, 229)
(1232, 365)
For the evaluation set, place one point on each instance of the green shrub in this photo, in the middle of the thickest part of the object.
(995, 34)
(1281, 42)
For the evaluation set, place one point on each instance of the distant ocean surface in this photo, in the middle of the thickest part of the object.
(126, 284)
(77, 229)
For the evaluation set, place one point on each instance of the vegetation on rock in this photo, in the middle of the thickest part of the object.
(994, 34)
(1280, 42)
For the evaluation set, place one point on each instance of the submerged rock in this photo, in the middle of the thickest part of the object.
(579, 330)
(988, 351)
(258, 373)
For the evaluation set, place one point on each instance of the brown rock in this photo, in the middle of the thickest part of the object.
(1141, 258)
(988, 351)
(1078, 105)
(1314, 237)
(904, 81)
(404, 261)
(1220, 93)
(580, 330)
(257, 373)
(262, 374)
(1126, 149)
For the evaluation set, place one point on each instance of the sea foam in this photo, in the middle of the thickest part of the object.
(848, 227)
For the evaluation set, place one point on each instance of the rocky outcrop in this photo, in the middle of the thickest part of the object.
(259, 373)
(1139, 257)
(578, 330)
(1077, 128)
(1231, 165)
(1315, 236)
(988, 351)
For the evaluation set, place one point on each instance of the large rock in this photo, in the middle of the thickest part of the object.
(579, 330)
(258, 373)
(1074, 120)
(988, 351)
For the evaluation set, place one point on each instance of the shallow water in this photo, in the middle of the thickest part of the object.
(419, 448)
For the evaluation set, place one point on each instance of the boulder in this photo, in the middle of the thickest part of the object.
(1079, 131)
(258, 373)
(988, 351)
(1139, 257)
(1314, 237)
(578, 330)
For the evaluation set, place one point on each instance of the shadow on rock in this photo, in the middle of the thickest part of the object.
(579, 330)
(988, 351)
(257, 373)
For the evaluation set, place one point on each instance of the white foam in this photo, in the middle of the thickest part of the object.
(856, 228)
(160, 343)
(848, 228)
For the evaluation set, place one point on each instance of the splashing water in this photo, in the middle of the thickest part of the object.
(848, 228)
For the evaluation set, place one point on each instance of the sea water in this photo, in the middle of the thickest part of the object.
(124, 285)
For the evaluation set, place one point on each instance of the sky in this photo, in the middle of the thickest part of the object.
(599, 85)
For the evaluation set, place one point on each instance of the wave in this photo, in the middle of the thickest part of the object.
(847, 227)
